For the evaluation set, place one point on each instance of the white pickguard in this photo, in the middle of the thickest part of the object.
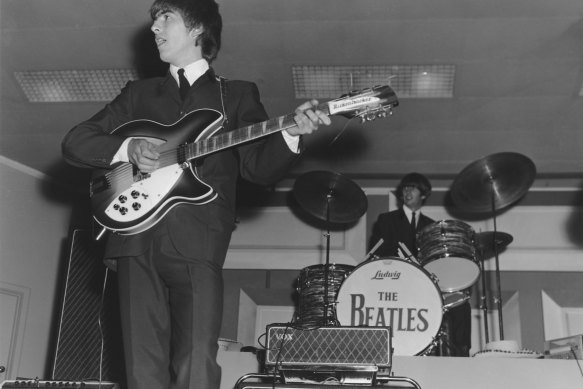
(143, 196)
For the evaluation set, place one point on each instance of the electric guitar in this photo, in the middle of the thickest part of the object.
(126, 201)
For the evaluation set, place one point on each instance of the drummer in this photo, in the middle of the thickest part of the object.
(400, 227)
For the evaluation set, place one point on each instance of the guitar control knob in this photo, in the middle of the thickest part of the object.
(135, 194)
(116, 206)
(122, 199)
(123, 210)
(136, 206)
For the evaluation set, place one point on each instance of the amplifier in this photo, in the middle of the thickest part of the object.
(256, 385)
(340, 347)
(32, 384)
(570, 347)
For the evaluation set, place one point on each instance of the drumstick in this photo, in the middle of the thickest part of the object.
(375, 248)
(406, 250)
(400, 253)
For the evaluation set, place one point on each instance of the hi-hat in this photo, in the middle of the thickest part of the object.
(330, 196)
(493, 182)
(490, 242)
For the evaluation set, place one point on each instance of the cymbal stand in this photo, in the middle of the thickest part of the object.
(484, 297)
(327, 266)
(495, 246)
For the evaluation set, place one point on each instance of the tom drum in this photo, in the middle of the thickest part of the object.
(447, 250)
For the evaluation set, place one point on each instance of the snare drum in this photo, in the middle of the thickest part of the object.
(311, 290)
(392, 292)
(446, 249)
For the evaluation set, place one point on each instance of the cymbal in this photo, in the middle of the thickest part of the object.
(487, 239)
(330, 196)
(493, 182)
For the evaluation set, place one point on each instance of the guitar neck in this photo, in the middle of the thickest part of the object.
(242, 135)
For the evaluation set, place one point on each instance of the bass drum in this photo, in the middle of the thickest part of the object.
(392, 292)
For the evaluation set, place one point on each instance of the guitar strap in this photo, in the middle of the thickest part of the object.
(223, 87)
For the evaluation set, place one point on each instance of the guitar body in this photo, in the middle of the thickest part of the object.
(126, 201)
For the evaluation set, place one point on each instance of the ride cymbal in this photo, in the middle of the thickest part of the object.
(330, 196)
(493, 182)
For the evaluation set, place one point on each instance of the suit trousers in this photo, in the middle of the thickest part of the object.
(171, 309)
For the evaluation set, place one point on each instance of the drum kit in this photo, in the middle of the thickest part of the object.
(408, 294)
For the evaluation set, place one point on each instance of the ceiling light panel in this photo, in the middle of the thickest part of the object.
(73, 85)
(408, 81)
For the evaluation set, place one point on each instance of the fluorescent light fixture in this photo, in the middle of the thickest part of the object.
(408, 81)
(61, 86)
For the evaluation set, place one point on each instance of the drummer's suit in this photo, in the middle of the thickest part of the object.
(394, 227)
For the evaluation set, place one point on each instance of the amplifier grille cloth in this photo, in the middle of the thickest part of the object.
(78, 346)
(328, 345)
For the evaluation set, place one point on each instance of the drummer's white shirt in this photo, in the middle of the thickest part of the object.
(409, 214)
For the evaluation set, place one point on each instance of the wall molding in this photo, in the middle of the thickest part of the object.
(14, 304)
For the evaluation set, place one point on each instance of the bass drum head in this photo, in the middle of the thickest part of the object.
(391, 292)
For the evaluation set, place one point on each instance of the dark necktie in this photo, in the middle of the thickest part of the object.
(414, 233)
(184, 85)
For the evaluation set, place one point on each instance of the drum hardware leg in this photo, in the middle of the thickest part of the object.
(495, 246)
(270, 377)
(394, 378)
(484, 300)
(443, 344)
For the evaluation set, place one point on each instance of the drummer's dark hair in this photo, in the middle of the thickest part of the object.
(417, 180)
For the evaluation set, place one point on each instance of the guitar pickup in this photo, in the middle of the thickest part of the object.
(98, 184)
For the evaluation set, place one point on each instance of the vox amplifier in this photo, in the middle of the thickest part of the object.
(30, 384)
(328, 346)
(305, 386)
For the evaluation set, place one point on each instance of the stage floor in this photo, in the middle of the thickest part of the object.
(448, 372)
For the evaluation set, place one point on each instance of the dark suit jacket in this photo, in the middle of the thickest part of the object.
(394, 227)
(199, 231)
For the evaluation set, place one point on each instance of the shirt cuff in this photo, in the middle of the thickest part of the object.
(292, 141)
(122, 152)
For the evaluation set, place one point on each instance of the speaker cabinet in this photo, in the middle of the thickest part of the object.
(88, 344)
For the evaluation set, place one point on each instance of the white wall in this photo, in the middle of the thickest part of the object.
(32, 231)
